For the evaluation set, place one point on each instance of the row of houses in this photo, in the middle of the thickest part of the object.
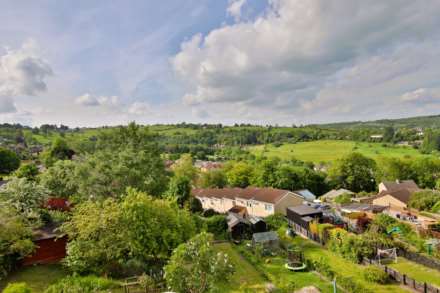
(259, 202)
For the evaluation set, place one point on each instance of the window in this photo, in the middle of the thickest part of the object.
(268, 207)
(249, 204)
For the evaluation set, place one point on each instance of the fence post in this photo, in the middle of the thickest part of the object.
(425, 287)
(414, 284)
(386, 269)
(404, 279)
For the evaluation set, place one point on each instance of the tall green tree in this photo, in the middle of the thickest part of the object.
(9, 161)
(27, 197)
(196, 267)
(179, 190)
(59, 150)
(108, 174)
(15, 238)
(28, 171)
(431, 141)
(213, 179)
(60, 179)
(239, 174)
(354, 172)
(106, 236)
(184, 167)
(388, 134)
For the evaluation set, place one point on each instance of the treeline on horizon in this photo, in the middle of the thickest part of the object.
(203, 141)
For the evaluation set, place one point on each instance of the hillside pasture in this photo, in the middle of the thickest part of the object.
(331, 150)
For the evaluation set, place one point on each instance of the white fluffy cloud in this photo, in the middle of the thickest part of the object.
(422, 96)
(234, 8)
(90, 100)
(23, 71)
(317, 58)
(139, 108)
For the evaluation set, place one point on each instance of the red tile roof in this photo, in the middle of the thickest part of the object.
(269, 195)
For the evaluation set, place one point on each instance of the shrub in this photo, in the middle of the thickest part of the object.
(324, 229)
(87, 284)
(218, 226)
(17, 288)
(375, 275)
(209, 213)
(350, 285)
(321, 265)
(343, 198)
(275, 221)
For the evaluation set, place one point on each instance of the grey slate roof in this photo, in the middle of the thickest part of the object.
(304, 210)
(265, 237)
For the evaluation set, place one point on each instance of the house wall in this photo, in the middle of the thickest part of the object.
(211, 203)
(382, 187)
(388, 200)
(261, 209)
(289, 200)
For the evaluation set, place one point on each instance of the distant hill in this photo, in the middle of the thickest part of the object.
(410, 122)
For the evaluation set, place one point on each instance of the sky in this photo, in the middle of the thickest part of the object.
(94, 63)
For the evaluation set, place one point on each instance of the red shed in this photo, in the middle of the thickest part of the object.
(50, 246)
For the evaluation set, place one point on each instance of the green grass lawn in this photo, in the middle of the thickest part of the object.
(246, 277)
(282, 277)
(347, 268)
(330, 150)
(37, 277)
(416, 271)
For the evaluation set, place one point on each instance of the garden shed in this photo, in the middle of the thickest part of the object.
(268, 240)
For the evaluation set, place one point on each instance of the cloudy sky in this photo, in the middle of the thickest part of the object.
(91, 63)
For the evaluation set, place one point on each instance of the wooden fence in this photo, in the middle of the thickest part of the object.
(132, 285)
(404, 279)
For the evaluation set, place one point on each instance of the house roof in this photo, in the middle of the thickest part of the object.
(269, 195)
(47, 232)
(216, 192)
(306, 194)
(362, 207)
(235, 219)
(238, 210)
(392, 186)
(265, 236)
(336, 192)
(304, 210)
(402, 195)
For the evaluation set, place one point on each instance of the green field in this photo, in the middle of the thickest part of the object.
(330, 150)
(416, 271)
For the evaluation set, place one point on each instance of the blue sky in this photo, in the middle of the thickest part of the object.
(91, 63)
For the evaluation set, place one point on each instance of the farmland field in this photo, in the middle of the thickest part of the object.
(330, 150)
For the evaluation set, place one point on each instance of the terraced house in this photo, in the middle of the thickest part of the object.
(259, 202)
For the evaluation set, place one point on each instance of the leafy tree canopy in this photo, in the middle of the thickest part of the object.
(354, 172)
(9, 161)
(196, 267)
